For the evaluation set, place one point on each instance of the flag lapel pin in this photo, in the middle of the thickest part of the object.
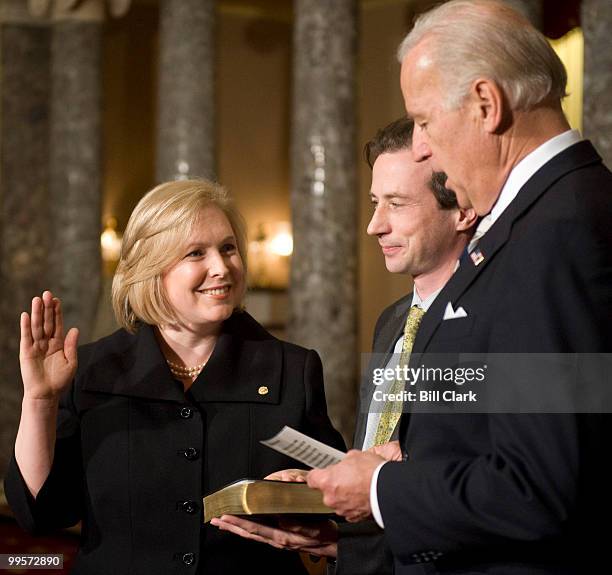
(477, 257)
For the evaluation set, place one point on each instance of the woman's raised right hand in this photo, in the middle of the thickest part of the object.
(48, 360)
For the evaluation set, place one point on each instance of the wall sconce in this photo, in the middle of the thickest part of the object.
(110, 244)
(281, 240)
(269, 253)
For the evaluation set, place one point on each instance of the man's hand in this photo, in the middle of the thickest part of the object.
(346, 485)
(316, 537)
(390, 451)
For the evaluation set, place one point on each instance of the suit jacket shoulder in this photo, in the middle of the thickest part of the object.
(391, 312)
(388, 321)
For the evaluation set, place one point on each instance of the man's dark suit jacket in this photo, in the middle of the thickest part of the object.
(135, 454)
(516, 493)
(362, 549)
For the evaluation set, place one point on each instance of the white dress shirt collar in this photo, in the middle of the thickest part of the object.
(424, 304)
(525, 169)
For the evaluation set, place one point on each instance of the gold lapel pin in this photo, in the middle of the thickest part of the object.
(263, 390)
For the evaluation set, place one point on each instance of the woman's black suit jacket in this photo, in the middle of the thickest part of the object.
(135, 453)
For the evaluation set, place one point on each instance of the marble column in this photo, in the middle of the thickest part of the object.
(75, 161)
(186, 122)
(324, 197)
(24, 129)
(532, 9)
(596, 18)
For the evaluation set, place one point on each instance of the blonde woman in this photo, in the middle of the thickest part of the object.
(126, 434)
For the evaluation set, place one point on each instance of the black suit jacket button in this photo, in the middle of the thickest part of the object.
(191, 453)
(188, 558)
(190, 507)
(186, 412)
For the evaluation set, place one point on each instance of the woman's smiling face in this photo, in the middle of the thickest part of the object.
(207, 283)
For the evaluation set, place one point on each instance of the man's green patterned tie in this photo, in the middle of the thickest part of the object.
(392, 410)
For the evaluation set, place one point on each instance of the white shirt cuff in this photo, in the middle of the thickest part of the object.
(374, 497)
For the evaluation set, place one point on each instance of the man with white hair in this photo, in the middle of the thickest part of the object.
(511, 493)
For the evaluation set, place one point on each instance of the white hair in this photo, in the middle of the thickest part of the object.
(485, 38)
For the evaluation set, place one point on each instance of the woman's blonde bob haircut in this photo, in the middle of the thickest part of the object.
(156, 235)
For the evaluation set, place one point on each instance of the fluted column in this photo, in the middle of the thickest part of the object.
(532, 9)
(75, 160)
(186, 122)
(596, 20)
(323, 196)
(24, 130)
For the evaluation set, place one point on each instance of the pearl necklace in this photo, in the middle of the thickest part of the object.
(183, 372)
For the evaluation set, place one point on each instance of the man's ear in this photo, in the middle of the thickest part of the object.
(489, 104)
(466, 218)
